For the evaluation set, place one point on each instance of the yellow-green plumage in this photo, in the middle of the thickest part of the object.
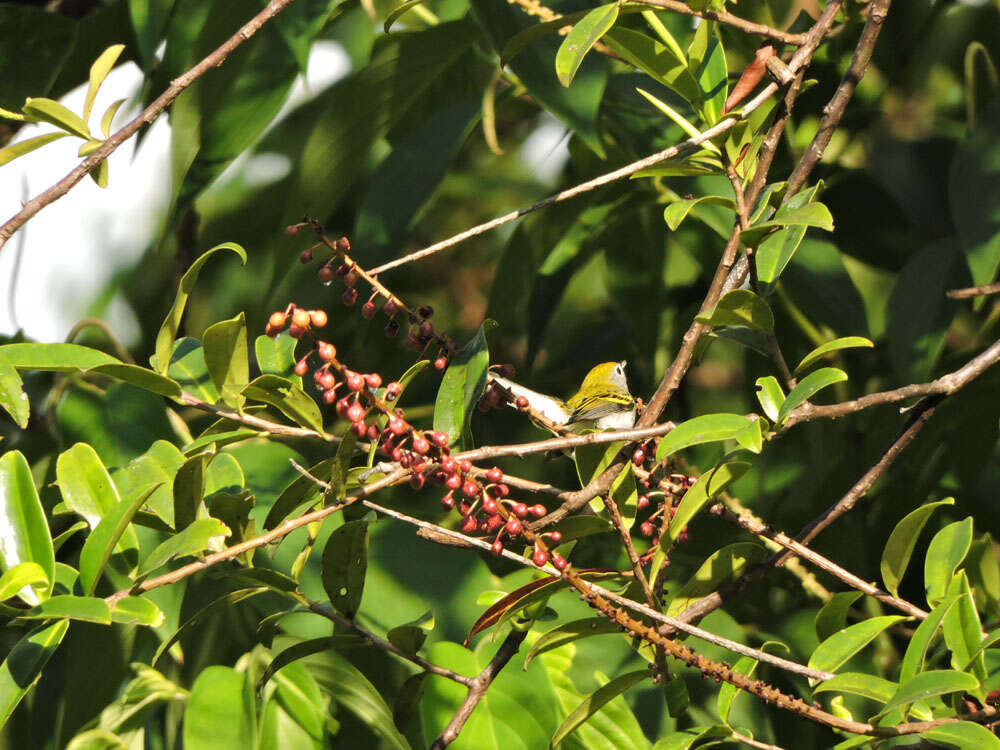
(602, 393)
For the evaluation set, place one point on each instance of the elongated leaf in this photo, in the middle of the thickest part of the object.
(712, 73)
(899, 548)
(98, 72)
(168, 331)
(846, 342)
(770, 396)
(287, 398)
(398, 11)
(728, 693)
(566, 633)
(722, 565)
(302, 650)
(23, 574)
(345, 562)
(224, 602)
(85, 484)
(584, 35)
(14, 150)
(276, 356)
(461, 387)
(740, 307)
(86, 608)
(709, 484)
(676, 212)
(916, 650)
(664, 62)
(23, 665)
(927, 685)
(26, 535)
(101, 543)
(220, 712)
(963, 631)
(190, 541)
(808, 215)
(137, 610)
(832, 617)
(533, 33)
(109, 115)
(839, 647)
(866, 685)
(140, 377)
(13, 399)
(55, 357)
(809, 386)
(963, 735)
(708, 428)
(593, 703)
(188, 368)
(41, 109)
(226, 356)
(155, 468)
(944, 554)
(686, 125)
(301, 492)
(684, 739)
(776, 250)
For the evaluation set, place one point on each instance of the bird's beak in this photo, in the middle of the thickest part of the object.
(623, 363)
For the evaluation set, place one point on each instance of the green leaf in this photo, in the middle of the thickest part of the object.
(846, 342)
(140, 377)
(13, 399)
(288, 398)
(677, 211)
(583, 36)
(944, 554)
(666, 63)
(156, 468)
(41, 109)
(55, 357)
(916, 649)
(188, 368)
(461, 387)
(899, 547)
(595, 701)
(86, 608)
(722, 565)
(23, 665)
(728, 692)
(831, 654)
(137, 610)
(777, 249)
(98, 72)
(302, 650)
(962, 735)
(101, 543)
(192, 540)
(963, 631)
(569, 632)
(226, 356)
(398, 11)
(109, 115)
(684, 739)
(410, 636)
(23, 574)
(26, 533)
(927, 685)
(712, 75)
(770, 395)
(709, 484)
(14, 150)
(225, 602)
(865, 685)
(740, 307)
(220, 712)
(345, 562)
(809, 386)
(808, 215)
(832, 617)
(276, 356)
(189, 491)
(680, 120)
(303, 491)
(708, 428)
(168, 331)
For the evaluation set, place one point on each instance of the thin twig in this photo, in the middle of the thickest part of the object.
(973, 291)
(274, 428)
(729, 19)
(633, 556)
(148, 115)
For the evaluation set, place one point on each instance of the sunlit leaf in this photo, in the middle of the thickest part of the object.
(583, 36)
(899, 547)
(26, 533)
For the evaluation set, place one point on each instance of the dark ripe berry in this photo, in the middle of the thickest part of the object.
(373, 380)
(406, 460)
(469, 525)
(497, 548)
(391, 329)
(440, 438)
(417, 481)
(301, 319)
(351, 277)
(419, 464)
(465, 466)
(494, 475)
(470, 489)
(426, 329)
(555, 536)
(302, 366)
(513, 526)
(306, 257)
(342, 406)
(271, 331)
(638, 457)
(440, 363)
(684, 537)
(350, 296)
(493, 397)
(559, 561)
(291, 230)
(540, 557)
(318, 317)
(356, 413)
(507, 371)
(398, 426)
(391, 307)
(329, 396)
(464, 508)
(438, 477)
(448, 502)
(342, 270)
(493, 523)
(392, 391)
(413, 343)
(647, 528)
(397, 453)
(372, 432)
(453, 482)
(420, 445)
(354, 381)
(538, 510)
(489, 505)
(295, 331)
(368, 310)
(326, 274)
(342, 246)
(327, 380)
(326, 351)
(425, 311)
(520, 509)
(522, 402)
(359, 429)
(502, 490)
(482, 406)
(277, 320)
(449, 464)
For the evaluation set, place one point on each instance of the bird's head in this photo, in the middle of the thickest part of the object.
(606, 373)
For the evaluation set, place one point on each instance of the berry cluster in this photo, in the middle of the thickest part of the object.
(666, 502)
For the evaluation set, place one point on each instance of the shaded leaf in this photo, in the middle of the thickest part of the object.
(102, 540)
(569, 632)
(23, 665)
(345, 562)
(595, 701)
(288, 398)
(916, 649)
(227, 358)
(461, 387)
(721, 566)
(832, 617)
(899, 547)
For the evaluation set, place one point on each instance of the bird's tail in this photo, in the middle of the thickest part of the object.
(551, 408)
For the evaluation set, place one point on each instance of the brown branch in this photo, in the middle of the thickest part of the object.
(973, 291)
(633, 556)
(477, 690)
(273, 428)
(148, 115)
(729, 19)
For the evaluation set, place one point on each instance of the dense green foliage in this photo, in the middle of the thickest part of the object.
(116, 466)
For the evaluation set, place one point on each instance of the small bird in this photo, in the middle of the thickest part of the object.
(602, 403)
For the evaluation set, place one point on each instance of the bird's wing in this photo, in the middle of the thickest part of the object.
(549, 407)
(600, 405)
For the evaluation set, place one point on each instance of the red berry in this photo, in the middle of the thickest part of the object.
(464, 508)
(296, 331)
(647, 528)
(469, 525)
(368, 310)
(449, 464)
(465, 465)
(497, 548)
(342, 406)
(330, 396)
(453, 482)
(359, 429)
(470, 489)
(326, 274)
(372, 432)
(356, 413)
(306, 256)
(522, 402)
(520, 509)
(354, 381)
(327, 380)
(398, 426)
(490, 505)
(642, 502)
(440, 363)
(538, 510)
(392, 391)
(318, 317)
(426, 329)
(302, 367)
(502, 490)
(350, 296)
(417, 481)
(559, 561)
(555, 536)
(440, 438)
(513, 526)
(406, 460)
(373, 380)
(540, 557)
(494, 475)
(493, 523)
(301, 319)
(397, 453)
(326, 351)
(420, 445)
(391, 307)
(277, 320)
(638, 457)
(342, 246)
(448, 502)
